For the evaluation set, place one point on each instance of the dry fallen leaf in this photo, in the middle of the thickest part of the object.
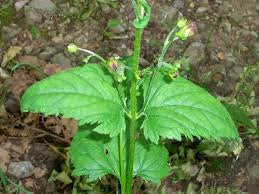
(10, 54)
(3, 74)
(32, 60)
(19, 82)
(50, 68)
(70, 127)
(31, 118)
(62, 126)
(53, 124)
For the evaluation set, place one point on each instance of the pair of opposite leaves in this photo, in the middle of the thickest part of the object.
(172, 109)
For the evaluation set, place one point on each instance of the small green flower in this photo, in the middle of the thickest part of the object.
(72, 48)
(181, 23)
(173, 74)
(186, 31)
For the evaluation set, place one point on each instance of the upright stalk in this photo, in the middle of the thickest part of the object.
(131, 139)
(122, 163)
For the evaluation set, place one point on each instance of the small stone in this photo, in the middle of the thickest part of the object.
(10, 31)
(48, 53)
(201, 10)
(32, 16)
(196, 53)
(21, 169)
(80, 40)
(179, 4)
(61, 59)
(12, 104)
(58, 39)
(167, 15)
(253, 172)
(43, 5)
(221, 55)
(106, 8)
(118, 29)
(20, 4)
(68, 38)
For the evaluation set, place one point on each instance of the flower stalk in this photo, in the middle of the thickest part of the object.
(133, 97)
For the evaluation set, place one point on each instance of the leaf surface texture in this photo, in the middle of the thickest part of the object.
(97, 155)
(84, 93)
(179, 108)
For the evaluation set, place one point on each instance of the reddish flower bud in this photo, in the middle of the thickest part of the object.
(113, 64)
(187, 31)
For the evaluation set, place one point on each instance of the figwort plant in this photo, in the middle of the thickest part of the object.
(123, 112)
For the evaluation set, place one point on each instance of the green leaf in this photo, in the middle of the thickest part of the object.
(238, 115)
(113, 23)
(179, 107)
(142, 21)
(84, 93)
(97, 155)
(150, 161)
(3, 180)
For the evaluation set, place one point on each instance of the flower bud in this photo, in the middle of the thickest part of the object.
(72, 48)
(187, 31)
(173, 74)
(113, 64)
(181, 23)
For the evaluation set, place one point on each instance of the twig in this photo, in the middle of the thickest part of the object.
(55, 149)
(44, 132)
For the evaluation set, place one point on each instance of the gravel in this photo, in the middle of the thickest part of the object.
(21, 169)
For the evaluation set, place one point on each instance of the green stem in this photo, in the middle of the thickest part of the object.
(92, 54)
(122, 163)
(131, 140)
(166, 46)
